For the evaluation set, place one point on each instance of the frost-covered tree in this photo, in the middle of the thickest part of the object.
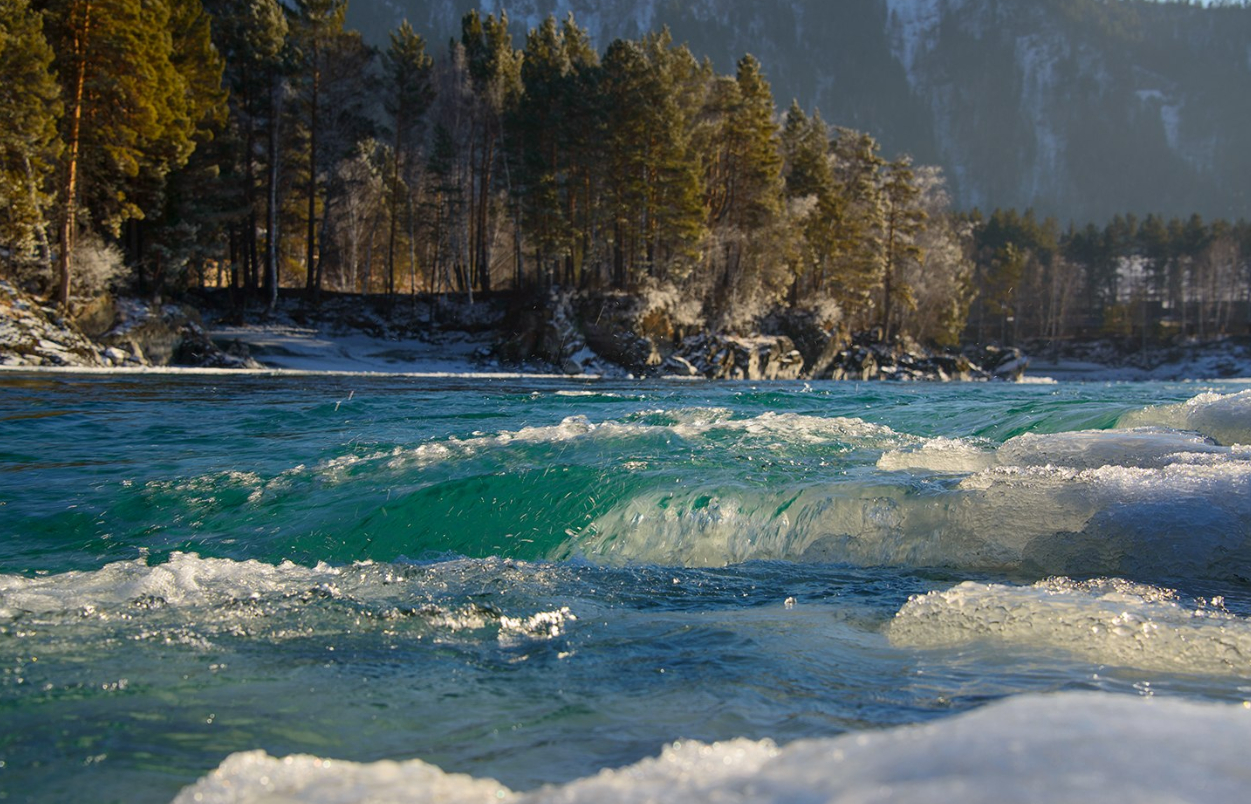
(941, 282)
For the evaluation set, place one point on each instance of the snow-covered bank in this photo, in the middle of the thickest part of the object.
(292, 347)
(506, 336)
(1103, 361)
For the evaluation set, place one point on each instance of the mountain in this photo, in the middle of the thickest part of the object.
(1081, 109)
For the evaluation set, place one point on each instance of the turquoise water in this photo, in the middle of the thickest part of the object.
(532, 580)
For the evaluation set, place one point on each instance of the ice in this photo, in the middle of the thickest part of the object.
(1085, 747)
(1108, 622)
(1224, 417)
(940, 455)
(1141, 448)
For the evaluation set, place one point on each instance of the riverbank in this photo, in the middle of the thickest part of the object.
(557, 334)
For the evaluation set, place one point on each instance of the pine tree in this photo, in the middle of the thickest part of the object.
(809, 186)
(409, 92)
(333, 68)
(251, 37)
(129, 114)
(29, 106)
(745, 195)
(902, 222)
(857, 219)
(495, 69)
(537, 123)
(189, 204)
(653, 95)
(677, 199)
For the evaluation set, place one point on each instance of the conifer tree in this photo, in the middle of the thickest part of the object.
(856, 221)
(129, 114)
(653, 94)
(745, 192)
(902, 222)
(677, 199)
(29, 106)
(809, 183)
(189, 204)
(495, 70)
(409, 92)
(251, 37)
(537, 124)
(333, 68)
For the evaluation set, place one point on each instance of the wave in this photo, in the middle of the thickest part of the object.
(1108, 622)
(701, 486)
(1142, 504)
(1067, 747)
(221, 595)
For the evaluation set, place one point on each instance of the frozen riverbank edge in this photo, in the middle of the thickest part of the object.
(548, 337)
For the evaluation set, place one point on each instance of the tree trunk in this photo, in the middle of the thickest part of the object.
(310, 261)
(271, 257)
(73, 145)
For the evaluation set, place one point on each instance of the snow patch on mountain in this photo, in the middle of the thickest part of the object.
(1037, 57)
(912, 29)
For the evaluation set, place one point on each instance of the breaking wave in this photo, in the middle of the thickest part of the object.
(1145, 503)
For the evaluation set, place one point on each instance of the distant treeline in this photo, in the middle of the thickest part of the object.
(168, 143)
(1153, 279)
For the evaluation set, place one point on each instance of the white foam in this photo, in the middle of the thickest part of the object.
(1109, 622)
(799, 428)
(185, 579)
(694, 424)
(1087, 747)
(1141, 447)
(1224, 417)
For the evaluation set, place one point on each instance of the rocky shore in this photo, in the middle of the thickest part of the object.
(613, 333)
(569, 333)
(106, 333)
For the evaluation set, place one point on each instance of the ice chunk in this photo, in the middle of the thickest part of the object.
(1086, 747)
(1108, 622)
(1224, 417)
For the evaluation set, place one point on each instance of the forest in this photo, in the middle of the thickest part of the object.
(154, 146)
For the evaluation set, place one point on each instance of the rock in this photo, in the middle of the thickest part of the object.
(33, 333)
(721, 357)
(169, 335)
(867, 357)
(94, 317)
(1004, 363)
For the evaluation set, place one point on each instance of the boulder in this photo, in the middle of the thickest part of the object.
(34, 333)
(722, 357)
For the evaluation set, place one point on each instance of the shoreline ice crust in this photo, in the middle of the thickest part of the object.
(1107, 622)
(1090, 747)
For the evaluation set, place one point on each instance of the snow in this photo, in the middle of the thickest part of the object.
(296, 348)
(1101, 362)
(913, 26)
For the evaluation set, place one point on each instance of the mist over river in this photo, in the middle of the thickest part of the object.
(247, 588)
